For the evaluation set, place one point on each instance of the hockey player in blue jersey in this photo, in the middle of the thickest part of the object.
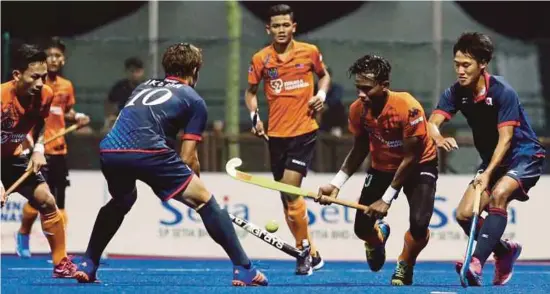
(512, 157)
(141, 146)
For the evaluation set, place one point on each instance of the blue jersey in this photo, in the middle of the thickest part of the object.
(153, 116)
(499, 106)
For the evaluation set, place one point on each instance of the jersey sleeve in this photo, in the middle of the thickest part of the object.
(354, 119)
(508, 109)
(413, 119)
(446, 105)
(197, 123)
(255, 70)
(317, 61)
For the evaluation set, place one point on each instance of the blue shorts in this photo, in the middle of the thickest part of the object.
(162, 170)
(526, 170)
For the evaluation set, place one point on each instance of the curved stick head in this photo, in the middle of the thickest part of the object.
(231, 165)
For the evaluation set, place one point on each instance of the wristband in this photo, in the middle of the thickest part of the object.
(79, 115)
(339, 180)
(254, 117)
(389, 195)
(321, 94)
(38, 147)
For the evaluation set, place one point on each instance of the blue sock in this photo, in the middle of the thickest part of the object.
(220, 228)
(490, 233)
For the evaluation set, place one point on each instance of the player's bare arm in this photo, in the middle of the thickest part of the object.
(80, 118)
(251, 100)
(189, 155)
(37, 158)
(505, 135)
(353, 161)
(316, 102)
(436, 121)
(412, 148)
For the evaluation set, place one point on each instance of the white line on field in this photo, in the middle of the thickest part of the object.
(128, 269)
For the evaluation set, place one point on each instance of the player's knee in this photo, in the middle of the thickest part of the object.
(123, 203)
(499, 198)
(364, 229)
(419, 225)
(463, 214)
(43, 199)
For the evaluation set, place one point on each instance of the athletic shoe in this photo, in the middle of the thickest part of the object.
(403, 274)
(504, 265)
(317, 261)
(86, 272)
(64, 269)
(376, 255)
(248, 277)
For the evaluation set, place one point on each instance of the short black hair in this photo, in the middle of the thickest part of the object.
(133, 62)
(475, 44)
(27, 54)
(279, 9)
(56, 42)
(371, 64)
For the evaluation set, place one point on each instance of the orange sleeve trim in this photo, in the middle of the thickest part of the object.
(447, 115)
(192, 137)
(514, 123)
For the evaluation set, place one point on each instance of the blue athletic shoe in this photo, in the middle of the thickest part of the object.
(22, 247)
(376, 255)
(86, 271)
(248, 277)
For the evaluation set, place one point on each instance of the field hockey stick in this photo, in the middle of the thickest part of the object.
(471, 238)
(269, 238)
(27, 173)
(231, 169)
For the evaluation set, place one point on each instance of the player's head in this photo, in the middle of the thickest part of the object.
(29, 69)
(55, 51)
(134, 69)
(280, 23)
(372, 76)
(472, 52)
(183, 60)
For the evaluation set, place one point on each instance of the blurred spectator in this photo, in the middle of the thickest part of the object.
(334, 118)
(217, 127)
(119, 93)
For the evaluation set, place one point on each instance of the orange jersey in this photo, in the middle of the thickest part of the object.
(18, 121)
(402, 117)
(288, 86)
(63, 101)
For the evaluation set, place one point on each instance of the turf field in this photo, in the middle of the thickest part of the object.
(200, 276)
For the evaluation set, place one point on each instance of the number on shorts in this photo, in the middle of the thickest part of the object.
(368, 179)
(151, 96)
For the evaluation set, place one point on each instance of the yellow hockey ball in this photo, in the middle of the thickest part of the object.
(272, 226)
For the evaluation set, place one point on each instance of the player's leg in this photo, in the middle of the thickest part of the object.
(170, 178)
(520, 178)
(464, 214)
(290, 159)
(35, 189)
(30, 213)
(28, 217)
(121, 182)
(420, 192)
(221, 230)
(373, 232)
